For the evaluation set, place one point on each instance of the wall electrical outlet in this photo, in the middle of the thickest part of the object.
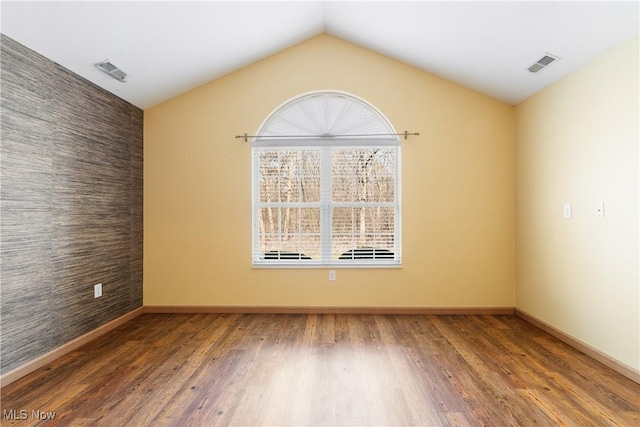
(566, 210)
(97, 290)
(332, 275)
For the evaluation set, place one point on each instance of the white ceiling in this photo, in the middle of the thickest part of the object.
(169, 47)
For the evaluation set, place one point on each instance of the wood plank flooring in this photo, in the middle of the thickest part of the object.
(330, 370)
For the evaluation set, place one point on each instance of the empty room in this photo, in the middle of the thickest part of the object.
(320, 213)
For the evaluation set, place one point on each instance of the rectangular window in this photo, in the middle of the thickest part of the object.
(326, 204)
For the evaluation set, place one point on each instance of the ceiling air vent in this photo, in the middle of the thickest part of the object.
(113, 70)
(543, 63)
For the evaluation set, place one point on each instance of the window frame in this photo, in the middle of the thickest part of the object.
(326, 204)
(326, 119)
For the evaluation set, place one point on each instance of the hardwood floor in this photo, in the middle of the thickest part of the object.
(333, 370)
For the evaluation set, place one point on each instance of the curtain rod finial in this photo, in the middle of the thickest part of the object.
(407, 134)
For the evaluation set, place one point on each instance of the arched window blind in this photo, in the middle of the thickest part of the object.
(326, 184)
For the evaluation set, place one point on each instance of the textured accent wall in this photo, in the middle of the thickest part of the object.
(71, 205)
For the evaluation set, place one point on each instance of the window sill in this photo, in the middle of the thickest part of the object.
(325, 266)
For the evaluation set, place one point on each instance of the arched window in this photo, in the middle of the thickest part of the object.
(326, 184)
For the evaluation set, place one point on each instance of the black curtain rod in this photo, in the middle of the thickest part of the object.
(406, 135)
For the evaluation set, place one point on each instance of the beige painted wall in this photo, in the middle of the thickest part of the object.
(577, 142)
(457, 188)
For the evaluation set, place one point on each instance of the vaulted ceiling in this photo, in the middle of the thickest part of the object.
(169, 47)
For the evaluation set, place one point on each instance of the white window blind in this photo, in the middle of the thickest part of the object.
(326, 201)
